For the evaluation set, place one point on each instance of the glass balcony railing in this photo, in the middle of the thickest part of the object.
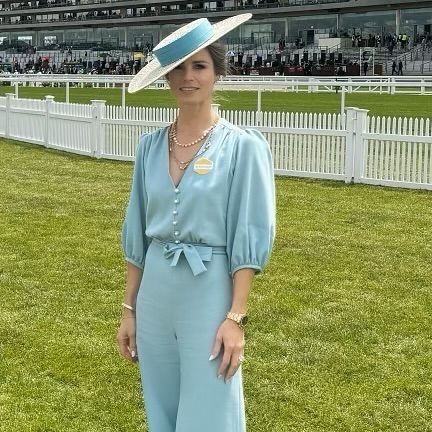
(159, 9)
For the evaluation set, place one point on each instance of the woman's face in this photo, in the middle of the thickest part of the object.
(192, 81)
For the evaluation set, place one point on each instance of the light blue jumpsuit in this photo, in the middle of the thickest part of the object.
(190, 239)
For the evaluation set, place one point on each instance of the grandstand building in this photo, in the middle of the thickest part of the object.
(135, 24)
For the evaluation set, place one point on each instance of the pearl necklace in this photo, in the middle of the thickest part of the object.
(173, 134)
(184, 164)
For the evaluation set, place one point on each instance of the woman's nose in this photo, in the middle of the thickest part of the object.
(188, 74)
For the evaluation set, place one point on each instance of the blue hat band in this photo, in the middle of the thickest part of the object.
(185, 44)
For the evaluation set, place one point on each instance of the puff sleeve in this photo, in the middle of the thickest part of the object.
(251, 204)
(133, 236)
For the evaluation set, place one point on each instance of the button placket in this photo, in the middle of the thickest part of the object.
(176, 201)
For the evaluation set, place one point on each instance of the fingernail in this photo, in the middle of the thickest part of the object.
(220, 376)
(133, 353)
(212, 357)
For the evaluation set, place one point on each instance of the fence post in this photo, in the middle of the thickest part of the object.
(355, 145)
(259, 112)
(124, 95)
(350, 85)
(9, 96)
(342, 106)
(312, 87)
(349, 150)
(359, 144)
(98, 134)
(48, 103)
(216, 108)
(393, 87)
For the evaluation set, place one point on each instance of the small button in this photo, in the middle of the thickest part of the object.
(176, 241)
(176, 201)
(174, 222)
(176, 233)
(175, 212)
(176, 190)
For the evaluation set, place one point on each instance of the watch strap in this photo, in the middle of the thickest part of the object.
(239, 318)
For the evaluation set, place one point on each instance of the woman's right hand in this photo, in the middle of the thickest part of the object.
(126, 338)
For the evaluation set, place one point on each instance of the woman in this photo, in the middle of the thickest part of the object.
(199, 225)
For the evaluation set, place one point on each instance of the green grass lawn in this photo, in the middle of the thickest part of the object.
(383, 105)
(340, 332)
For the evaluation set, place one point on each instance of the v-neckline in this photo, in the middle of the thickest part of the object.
(167, 163)
(167, 157)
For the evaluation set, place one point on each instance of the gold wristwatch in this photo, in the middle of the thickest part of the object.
(240, 319)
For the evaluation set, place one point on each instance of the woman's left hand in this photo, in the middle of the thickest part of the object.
(231, 336)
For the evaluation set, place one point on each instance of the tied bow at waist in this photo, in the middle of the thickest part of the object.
(195, 254)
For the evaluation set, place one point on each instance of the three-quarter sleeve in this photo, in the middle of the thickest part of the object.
(134, 239)
(251, 204)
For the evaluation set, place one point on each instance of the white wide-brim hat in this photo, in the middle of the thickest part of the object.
(182, 44)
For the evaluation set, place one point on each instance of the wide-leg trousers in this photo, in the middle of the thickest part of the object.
(178, 315)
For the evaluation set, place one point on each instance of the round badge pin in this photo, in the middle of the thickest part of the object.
(203, 166)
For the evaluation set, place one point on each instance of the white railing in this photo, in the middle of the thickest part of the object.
(368, 84)
(397, 151)
(112, 80)
(372, 84)
(351, 147)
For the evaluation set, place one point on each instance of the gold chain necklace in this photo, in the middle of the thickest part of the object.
(182, 165)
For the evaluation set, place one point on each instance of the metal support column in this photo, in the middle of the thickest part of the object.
(398, 21)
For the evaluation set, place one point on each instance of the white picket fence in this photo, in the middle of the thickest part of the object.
(352, 147)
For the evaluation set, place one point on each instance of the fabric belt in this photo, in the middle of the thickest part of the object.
(195, 253)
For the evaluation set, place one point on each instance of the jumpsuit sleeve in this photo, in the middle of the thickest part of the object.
(251, 204)
(133, 236)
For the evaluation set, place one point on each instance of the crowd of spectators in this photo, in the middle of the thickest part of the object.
(390, 41)
(103, 66)
(403, 41)
(240, 63)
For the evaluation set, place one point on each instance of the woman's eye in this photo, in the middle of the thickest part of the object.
(199, 66)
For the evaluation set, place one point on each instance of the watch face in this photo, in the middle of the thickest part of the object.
(244, 320)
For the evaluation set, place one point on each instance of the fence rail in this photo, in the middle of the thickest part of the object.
(352, 147)
(369, 84)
